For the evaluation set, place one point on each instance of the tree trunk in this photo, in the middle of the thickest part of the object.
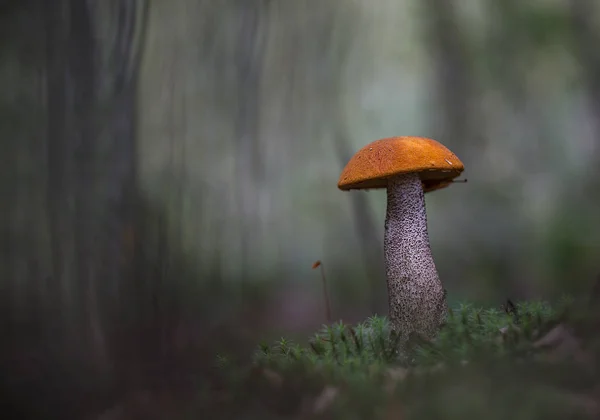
(91, 160)
(370, 242)
(248, 175)
(586, 50)
(59, 165)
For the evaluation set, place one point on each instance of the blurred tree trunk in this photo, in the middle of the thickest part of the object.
(339, 28)
(126, 292)
(249, 58)
(587, 38)
(83, 140)
(58, 163)
(91, 160)
(72, 189)
(454, 77)
(364, 223)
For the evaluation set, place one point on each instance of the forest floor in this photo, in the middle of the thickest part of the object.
(528, 360)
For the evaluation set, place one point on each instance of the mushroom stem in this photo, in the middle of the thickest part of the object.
(417, 301)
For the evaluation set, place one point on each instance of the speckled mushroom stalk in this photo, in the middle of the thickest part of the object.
(417, 301)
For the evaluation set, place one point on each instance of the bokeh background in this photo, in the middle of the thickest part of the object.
(169, 169)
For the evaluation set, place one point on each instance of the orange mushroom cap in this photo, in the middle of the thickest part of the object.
(370, 167)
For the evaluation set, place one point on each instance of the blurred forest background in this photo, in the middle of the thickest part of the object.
(169, 168)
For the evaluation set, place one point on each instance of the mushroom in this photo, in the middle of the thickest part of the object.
(407, 167)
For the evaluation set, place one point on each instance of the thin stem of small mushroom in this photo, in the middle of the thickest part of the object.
(326, 296)
(417, 301)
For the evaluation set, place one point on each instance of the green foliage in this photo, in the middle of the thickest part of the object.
(470, 333)
(485, 363)
(336, 349)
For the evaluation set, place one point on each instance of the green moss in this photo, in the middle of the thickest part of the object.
(483, 364)
(470, 333)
